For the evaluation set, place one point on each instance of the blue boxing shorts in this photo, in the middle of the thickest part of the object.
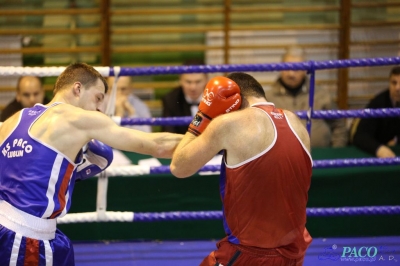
(29, 240)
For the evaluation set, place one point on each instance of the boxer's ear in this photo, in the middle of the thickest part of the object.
(76, 87)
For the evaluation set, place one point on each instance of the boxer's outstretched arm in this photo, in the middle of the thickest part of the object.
(95, 125)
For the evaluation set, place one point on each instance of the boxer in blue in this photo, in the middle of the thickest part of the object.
(42, 156)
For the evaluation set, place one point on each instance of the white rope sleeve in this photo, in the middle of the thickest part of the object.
(116, 119)
(42, 71)
(32, 71)
(87, 217)
(104, 71)
(127, 170)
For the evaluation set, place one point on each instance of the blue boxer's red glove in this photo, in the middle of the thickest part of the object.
(221, 96)
(97, 156)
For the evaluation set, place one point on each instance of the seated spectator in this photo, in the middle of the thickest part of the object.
(127, 104)
(377, 135)
(184, 100)
(291, 92)
(30, 91)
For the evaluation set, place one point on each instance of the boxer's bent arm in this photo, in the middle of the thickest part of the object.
(99, 126)
(194, 152)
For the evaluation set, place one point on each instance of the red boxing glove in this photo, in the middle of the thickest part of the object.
(221, 95)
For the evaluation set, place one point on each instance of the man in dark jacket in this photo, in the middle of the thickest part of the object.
(30, 91)
(377, 135)
(184, 100)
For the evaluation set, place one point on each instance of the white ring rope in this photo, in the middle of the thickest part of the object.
(88, 217)
(42, 71)
(127, 170)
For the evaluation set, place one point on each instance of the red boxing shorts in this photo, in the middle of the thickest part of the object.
(229, 254)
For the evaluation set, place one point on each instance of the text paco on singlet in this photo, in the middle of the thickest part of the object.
(35, 178)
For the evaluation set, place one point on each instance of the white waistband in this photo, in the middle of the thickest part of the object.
(26, 224)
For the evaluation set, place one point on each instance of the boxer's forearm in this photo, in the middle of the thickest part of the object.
(165, 144)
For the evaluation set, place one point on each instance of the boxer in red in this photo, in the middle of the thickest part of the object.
(265, 173)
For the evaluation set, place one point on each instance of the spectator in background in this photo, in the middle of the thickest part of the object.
(377, 135)
(291, 92)
(184, 100)
(30, 91)
(127, 104)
